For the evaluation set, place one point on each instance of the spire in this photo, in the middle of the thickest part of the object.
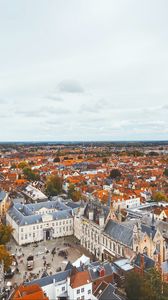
(153, 221)
(109, 199)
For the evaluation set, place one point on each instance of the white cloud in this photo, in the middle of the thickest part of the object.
(96, 75)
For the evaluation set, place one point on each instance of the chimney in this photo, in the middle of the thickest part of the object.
(101, 220)
(91, 215)
(101, 271)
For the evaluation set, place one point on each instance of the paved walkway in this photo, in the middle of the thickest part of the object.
(41, 258)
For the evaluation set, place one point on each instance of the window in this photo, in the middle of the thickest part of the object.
(89, 291)
(78, 291)
(63, 288)
(21, 229)
(82, 298)
(33, 227)
(82, 290)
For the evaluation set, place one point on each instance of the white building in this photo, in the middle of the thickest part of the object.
(34, 194)
(40, 221)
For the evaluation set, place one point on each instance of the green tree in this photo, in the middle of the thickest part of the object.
(30, 175)
(147, 287)
(57, 159)
(154, 279)
(165, 172)
(133, 286)
(5, 233)
(115, 173)
(54, 185)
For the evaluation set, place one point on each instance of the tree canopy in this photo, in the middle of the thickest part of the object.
(54, 185)
(5, 233)
(115, 173)
(74, 194)
(159, 196)
(147, 287)
(165, 172)
(29, 174)
(5, 257)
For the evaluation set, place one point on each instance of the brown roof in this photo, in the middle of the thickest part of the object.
(79, 279)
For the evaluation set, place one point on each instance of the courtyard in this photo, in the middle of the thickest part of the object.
(47, 257)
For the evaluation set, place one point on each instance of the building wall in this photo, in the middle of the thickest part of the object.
(36, 232)
(83, 292)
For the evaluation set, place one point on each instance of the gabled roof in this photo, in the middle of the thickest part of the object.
(79, 279)
(2, 195)
(148, 262)
(58, 277)
(109, 294)
(119, 232)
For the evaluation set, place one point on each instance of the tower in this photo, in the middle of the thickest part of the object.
(112, 215)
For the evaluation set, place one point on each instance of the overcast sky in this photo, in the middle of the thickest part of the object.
(83, 70)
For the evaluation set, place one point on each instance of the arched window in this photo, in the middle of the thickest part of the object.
(145, 250)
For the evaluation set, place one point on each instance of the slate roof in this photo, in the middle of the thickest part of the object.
(119, 232)
(93, 270)
(148, 262)
(58, 277)
(26, 214)
(109, 293)
(149, 230)
(2, 195)
(98, 209)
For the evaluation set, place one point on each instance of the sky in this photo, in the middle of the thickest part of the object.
(83, 70)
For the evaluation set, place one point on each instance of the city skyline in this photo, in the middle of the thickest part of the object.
(83, 71)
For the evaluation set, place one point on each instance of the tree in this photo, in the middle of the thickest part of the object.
(5, 257)
(5, 233)
(115, 173)
(153, 153)
(165, 172)
(30, 175)
(133, 286)
(54, 185)
(159, 196)
(22, 164)
(56, 159)
(73, 193)
(147, 287)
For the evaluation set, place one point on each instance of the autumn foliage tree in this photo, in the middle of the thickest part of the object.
(5, 235)
(74, 194)
(54, 185)
(5, 256)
